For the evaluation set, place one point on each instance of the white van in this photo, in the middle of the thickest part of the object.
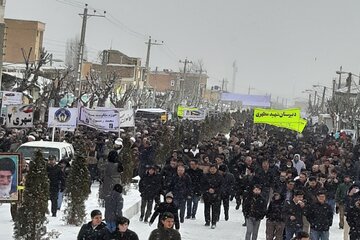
(61, 150)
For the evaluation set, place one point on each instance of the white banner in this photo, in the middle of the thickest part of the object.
(127, 118)
(10, 98)
(19, 116)
(101, 119)
(64, 118)
(195, 115)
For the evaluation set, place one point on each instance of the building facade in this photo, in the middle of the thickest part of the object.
(128, 70)
(23, 34)
(192, 86)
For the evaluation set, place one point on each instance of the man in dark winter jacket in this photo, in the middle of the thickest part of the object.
(181, 189)
(265, 177)
(123, 232)
(275, 223)
(196, 175)
(312, 188)
(95, 229)
(114, 204)
(353, 211)
(331, 185)
(146, 158)
(254, 209)
(227, 189)
(320, 216)
(340, 196)
(293, 213)
(149, 187)
(165, 231)
(167, 174)
(57, 182)
(167, 206)
(211, 187)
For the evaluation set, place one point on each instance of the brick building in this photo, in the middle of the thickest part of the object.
(128, 69)
(194, 84)
(22, 34)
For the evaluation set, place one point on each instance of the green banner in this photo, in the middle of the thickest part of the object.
(181, 109)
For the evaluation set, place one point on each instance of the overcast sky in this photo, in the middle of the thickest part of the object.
(282, 47)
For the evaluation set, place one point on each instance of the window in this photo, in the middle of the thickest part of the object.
(172, 83)
(63, 153)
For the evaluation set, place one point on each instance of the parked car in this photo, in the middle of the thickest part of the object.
(61, 150)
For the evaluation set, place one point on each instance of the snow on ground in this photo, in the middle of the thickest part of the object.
(190, 230)
(56, 223)
(225, 230)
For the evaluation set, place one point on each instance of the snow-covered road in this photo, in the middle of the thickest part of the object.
(190, 229)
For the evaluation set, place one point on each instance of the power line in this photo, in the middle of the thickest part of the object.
(71, 3)
(123, 27)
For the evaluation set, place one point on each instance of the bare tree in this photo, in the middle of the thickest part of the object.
(101, 86)
(72, 52)
(31, 73)
(119, 99)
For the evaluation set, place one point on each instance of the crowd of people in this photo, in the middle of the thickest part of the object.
(297, 182)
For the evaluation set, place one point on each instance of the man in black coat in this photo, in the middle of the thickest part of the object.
(181, 189)
(196, 175)
(320, 216)
(146, 158)
(149, 187)
(227, 189)
(167, 206)
(275, 223)
(353, 216)
(254, 209)
(123, 232)
(165, 231)
(95, 229)
(211, 187)
(265, 177)
(168, 172)
(293, 213)
(56, 182)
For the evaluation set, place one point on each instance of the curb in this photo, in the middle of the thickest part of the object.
(133, 210)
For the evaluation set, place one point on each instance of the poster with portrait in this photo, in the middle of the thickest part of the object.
(9, 176)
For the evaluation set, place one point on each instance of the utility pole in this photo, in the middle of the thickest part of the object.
(315, 96)
(235, 70)
(185, 62)
(249, 89)
(339, 85)
(323, 100)
(85, 17)
(348, 83)
(147, 68)
(2, 37)
(197, 88)
(333, 90)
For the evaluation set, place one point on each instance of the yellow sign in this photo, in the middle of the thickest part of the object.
(182, 109)
(20, 187)
(276, 116)
(286, 118)
(298, 127)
